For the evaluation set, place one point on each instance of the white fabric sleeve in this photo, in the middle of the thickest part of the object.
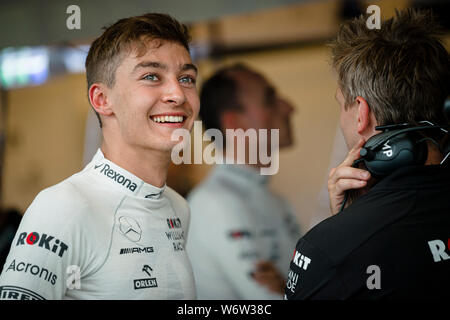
(212, 222)
(43, 250)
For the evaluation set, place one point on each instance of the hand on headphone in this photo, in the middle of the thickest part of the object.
(345, 177)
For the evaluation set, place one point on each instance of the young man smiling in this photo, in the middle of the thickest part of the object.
(115, 230)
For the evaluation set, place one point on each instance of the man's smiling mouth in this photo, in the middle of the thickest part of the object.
(171, 119)
(168, 119)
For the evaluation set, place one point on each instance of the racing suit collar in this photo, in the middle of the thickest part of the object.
(122, 179)
(243, 172)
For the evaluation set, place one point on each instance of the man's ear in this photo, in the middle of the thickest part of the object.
(366, 118)
(98, 96)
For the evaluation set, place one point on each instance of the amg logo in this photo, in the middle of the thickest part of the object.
(145, 283)
(110, 173)
(18, 293)
(136, 250)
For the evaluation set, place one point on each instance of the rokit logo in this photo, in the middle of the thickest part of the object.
(33, 269)
(136, 250)
(437, 248)
(117, 177)
(174, 223)
(239, 234)
(300, 260)
(18, 293)
(145, 283)
(44, 241)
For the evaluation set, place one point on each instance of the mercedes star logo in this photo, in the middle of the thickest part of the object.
(130, 228)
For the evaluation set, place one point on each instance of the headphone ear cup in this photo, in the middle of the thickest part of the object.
(400, 151)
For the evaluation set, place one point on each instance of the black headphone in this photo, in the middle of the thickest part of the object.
(400, 145)
(397, 146)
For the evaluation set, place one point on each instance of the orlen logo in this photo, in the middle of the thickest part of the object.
(44, 241)
(300, 260)
(437, 248)
(117, 177)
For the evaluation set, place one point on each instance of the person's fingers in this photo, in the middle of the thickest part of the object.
(346, 184)
(271, 280)
(353, 154)
(264, 265)
(349, 173)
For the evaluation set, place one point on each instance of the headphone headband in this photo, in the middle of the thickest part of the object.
(401, 131)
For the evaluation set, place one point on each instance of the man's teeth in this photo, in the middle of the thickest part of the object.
(168, 119)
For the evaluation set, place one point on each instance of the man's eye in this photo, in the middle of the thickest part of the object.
(189, 80)
(151, 77)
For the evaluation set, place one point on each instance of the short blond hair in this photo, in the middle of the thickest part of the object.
(402, 70)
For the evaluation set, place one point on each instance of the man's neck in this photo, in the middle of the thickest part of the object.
(434, 155)
(149, 165)
(245, 161)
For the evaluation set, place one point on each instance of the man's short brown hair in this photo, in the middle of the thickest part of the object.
(126, 35)
(402, 70)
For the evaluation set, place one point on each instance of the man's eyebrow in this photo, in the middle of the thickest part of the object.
(151, 64)
(159, 65)
(189, 66)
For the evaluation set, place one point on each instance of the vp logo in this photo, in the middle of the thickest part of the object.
(130, 228)
(387, 149)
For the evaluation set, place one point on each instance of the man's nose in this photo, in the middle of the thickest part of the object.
(173, 93)
(286, 106)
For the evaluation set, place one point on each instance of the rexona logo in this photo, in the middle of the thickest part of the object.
(437, 248)
(44, 241)
(300, 260)
(18, 293)
(117, 177)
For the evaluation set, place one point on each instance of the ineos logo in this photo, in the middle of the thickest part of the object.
(130, 228)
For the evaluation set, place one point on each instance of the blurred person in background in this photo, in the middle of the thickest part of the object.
(391, 240)
(9, 223)
(115, 230)
(241, 234)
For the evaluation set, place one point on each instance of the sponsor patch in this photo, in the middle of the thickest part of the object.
(18, 293)
(45, 241)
